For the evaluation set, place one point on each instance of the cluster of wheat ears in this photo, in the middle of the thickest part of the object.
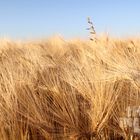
(68, 90)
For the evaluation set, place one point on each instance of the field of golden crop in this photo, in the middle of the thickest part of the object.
(57, 89)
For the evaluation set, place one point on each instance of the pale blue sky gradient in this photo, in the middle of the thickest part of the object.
(43, 18)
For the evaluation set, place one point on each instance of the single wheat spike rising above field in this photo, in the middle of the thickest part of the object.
(59, 89)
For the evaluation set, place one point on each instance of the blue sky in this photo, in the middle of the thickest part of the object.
(43, 18)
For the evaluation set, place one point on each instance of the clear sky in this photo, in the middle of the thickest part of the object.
(43, 18)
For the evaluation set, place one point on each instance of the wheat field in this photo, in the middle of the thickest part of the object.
(57, 89)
